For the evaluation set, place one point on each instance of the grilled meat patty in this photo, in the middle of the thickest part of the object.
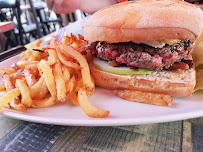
(142, 55)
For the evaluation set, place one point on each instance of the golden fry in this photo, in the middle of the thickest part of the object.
(2, 87)
(15, 104)
(60, 83)
(31, 67)
(7, 70)
(29, 77)
(70, 84)
(43, 103)
(42, 91)
(67, 63)
(23, 63)
(9, 96)
(88, 108)
(66, 73)
(26, 54)
(58, 75)
(34, 90)
(7, 82)
(144, 97)
(48, 77)
(53, 42)
(36, 56)
(25, 92)
(73, 98)
(83, 63)
(37, 44)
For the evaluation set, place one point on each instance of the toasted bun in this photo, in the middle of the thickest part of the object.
(145, 20)
(172, 83)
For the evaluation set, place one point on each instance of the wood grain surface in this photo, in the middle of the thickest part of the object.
(22, 136)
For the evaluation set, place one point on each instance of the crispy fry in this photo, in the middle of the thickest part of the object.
(24, 63)
(15, 104)
(66, 40)
(88, 108)
(70, 84)
(67, 63)
(29, 77)
(83, 63)
(7, 70)
(32, 67)
(73, 98)
(26, 54)
(80, 37)
(58, 75)
(9, 96)
(42, 91)
(43, 103)
(25, 92)
(36, 56)
(60, 83)
(15, 76)
(7, 82)
(34, 90)
(53, 57)
(2, 87)
(66, 73)
(48, 77)
(144, 97)
(79, 84)
(37, 44)
(53, 42)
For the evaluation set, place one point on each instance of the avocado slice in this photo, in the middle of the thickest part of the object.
(104, 66)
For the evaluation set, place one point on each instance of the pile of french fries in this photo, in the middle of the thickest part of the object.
(51, 74)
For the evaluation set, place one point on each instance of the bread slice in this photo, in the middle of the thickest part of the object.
(173, 83)
(145, 20)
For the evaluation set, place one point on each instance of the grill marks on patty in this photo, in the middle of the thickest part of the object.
(141, 55)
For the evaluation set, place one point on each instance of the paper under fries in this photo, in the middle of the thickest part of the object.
(144, 97)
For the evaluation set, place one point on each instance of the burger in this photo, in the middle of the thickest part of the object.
(150, 40)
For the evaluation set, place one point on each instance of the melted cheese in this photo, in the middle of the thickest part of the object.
(158, 43)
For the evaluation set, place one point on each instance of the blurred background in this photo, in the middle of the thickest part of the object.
(23, 21)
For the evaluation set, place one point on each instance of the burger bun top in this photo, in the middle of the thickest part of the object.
(145, 20)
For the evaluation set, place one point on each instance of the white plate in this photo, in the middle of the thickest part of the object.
(122, 112)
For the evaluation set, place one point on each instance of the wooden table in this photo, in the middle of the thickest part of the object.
(6, 26)
(22, 136)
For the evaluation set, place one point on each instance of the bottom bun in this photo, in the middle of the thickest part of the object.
(173, 83)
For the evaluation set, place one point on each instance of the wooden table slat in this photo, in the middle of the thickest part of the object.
(31, 136)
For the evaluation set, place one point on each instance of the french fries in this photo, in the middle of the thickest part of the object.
(29, 77)
(47, 102)
(34, 90)
(9, 96)
(88, 108)
(44, 76)
(83, 63)
(48, 76)
(144, 97)
(25, 92)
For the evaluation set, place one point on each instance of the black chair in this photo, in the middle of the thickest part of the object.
(21, 31)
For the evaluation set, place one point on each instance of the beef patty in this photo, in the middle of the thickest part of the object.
(142, 55)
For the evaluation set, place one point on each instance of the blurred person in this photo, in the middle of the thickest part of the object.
(69, 6)
(87, 6)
